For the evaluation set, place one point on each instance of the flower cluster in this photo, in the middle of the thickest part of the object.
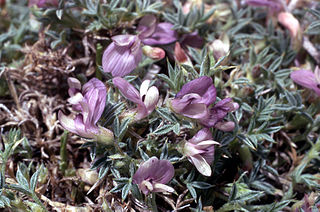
(125, 52)
(200, 151)
(89, 103)
(153, 174)
(195, 101)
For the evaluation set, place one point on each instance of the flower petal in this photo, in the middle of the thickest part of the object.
(304, 78)
(164, 172)
(317, 74)
(82, 129)
(162, 35)
(289, 22)
(226, 126)
(75, 99)
(144, 88)
(201, 164)
(74, 83)
(121, 60)
(151, 99)
(273, 4)
(191, 149)
(192, 39)
(201, 135)
(146, 170)
(179, 54)
(127, 89)
(147, 26)
(159, 187)
(95, 94)
(67, 122)
(178, 104)
(195, 111)
(124, 40)
(202, 86)
(146, 187)
(206, 143)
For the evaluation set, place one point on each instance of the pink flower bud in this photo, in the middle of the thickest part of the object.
(219, 48)
(180, 55)
(289, 22)
(154, 53)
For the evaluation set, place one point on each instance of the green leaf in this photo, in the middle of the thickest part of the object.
(23, 182)
(166, 114)
(143, 155)
(275, 64)
(205, 66)
(201, 185)
(125, 190)
(167, 80)
(176, 128)
(192, 190)
(164, 152)
(124, 126)
(59, 14)
(233, 193)
(163, 130)
(34, 179)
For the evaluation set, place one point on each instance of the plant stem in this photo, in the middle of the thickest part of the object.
(63, 152)
(153, 202)
(37, 200)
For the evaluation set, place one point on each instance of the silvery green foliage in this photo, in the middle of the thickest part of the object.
(25, 183)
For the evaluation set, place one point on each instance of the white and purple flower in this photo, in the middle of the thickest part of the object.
(194, 100)
(153, 174)
(89, 103)
(146, 99)
(122, 55)
(200, 151)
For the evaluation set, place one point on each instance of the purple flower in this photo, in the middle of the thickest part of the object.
(146, 99)
(90, 104)
(194, 98)
(307, 78)
(44, 3)
(153, 174)
(218, 112)
(191, 39)
(122, 55)
(152, 33)
(200, 151)
(272, 4)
